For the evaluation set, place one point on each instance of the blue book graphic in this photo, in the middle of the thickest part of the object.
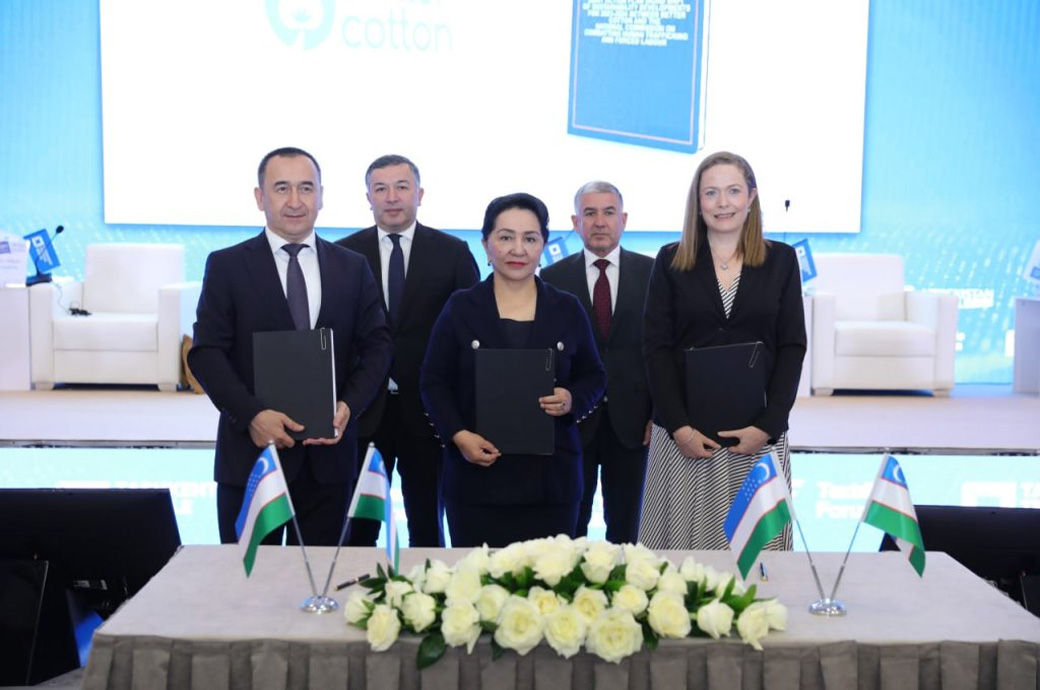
(638, 73)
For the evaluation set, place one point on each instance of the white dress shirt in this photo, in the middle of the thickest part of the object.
(308, 258)
(613, 273)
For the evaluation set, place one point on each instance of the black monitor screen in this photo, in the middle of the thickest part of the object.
(997, 544)
(84, 552)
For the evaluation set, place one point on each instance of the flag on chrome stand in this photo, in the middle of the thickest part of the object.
(890, 509)
(372, 500)
(266, 505)
(759, 512)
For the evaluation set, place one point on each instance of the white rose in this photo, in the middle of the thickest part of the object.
(753, 625)
(383, 628)
(419, 611)
(668, 615)
(417, 576)
(631, 599)
(715, 618)
(712, 578)
(460, 625)
(396, 591)
(477, 559)
(599, 559)
(638, 552)
(589, 602)
(544, 599)
(489, 602)
(642, 574)
(672, 581)
(464, 586)
(511, 559)
(776, 614)
(554, 562)
(565, 631)
(438, 575)
(614, 635)
(520, 626)
(358, 606)
(691, 570)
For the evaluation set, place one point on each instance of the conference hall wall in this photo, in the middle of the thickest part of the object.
(939, 163)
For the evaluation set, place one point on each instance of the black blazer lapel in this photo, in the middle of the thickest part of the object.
(263, 276)
(704, 268)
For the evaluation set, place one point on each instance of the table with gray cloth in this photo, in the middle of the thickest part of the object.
(200, 623)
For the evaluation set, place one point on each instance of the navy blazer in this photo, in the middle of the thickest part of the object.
(622, 351)
(438, 265)
(242, 294)
(684, 309)
(448, 386)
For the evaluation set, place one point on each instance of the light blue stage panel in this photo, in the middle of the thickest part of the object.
(829, 489)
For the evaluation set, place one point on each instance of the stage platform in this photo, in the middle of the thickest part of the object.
(975, 420)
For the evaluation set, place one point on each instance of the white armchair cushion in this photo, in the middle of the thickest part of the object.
(125, 277)
(883, 339)
(107, 331)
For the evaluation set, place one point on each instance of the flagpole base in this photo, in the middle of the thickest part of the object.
(319, 605)
(827, 607)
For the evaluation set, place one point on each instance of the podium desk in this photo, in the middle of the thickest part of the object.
(1027, 345)
(14, 339)
(201, 623)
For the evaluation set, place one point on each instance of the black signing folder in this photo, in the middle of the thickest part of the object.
(725, 388)
(294, 372)
(509, 383)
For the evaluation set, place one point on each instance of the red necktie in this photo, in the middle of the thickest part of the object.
(601, 298)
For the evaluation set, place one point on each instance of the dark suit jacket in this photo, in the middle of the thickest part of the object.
(241, 294)
(684, 309)
(438, 265)
(449, 390)
(629, 405)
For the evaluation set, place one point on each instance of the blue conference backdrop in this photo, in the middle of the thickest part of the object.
(949, 152)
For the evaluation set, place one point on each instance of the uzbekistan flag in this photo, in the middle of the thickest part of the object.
(760, 510)
(372, 500)
(890, 509)
(266, 506)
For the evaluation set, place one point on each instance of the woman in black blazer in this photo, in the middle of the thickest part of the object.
(490, 497)
(721, 284)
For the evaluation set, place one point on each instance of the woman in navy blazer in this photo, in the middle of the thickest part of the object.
(490, 497)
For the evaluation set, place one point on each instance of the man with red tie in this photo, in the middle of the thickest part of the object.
(611, 283)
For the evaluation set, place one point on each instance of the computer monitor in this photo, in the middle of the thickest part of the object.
(1001, 545)
(75, 555)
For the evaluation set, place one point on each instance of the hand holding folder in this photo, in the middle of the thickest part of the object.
(509, 384)
(294, 372)
(725, 388)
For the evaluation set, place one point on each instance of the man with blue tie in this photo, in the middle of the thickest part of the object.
(417, 268)
(611, 284)
(282, 279)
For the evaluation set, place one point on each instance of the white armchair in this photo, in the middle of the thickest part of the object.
(869, 332)
(139, 307)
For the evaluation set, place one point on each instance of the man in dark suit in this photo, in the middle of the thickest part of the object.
(417, 268)
(611, 284)
(287, 277)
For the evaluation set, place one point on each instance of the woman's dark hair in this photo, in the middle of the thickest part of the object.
(522, 200)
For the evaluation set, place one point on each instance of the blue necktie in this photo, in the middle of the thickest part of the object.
(296, 289)
(395, 278)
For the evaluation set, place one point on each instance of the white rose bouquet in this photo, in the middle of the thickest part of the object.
(613, 600)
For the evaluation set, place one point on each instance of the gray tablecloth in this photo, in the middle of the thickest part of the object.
(201, 624)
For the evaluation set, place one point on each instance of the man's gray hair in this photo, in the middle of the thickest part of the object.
(597, 187)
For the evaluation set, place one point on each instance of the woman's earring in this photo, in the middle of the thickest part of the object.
(489, 262)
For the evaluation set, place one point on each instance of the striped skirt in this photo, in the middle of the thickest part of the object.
(687, 499)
